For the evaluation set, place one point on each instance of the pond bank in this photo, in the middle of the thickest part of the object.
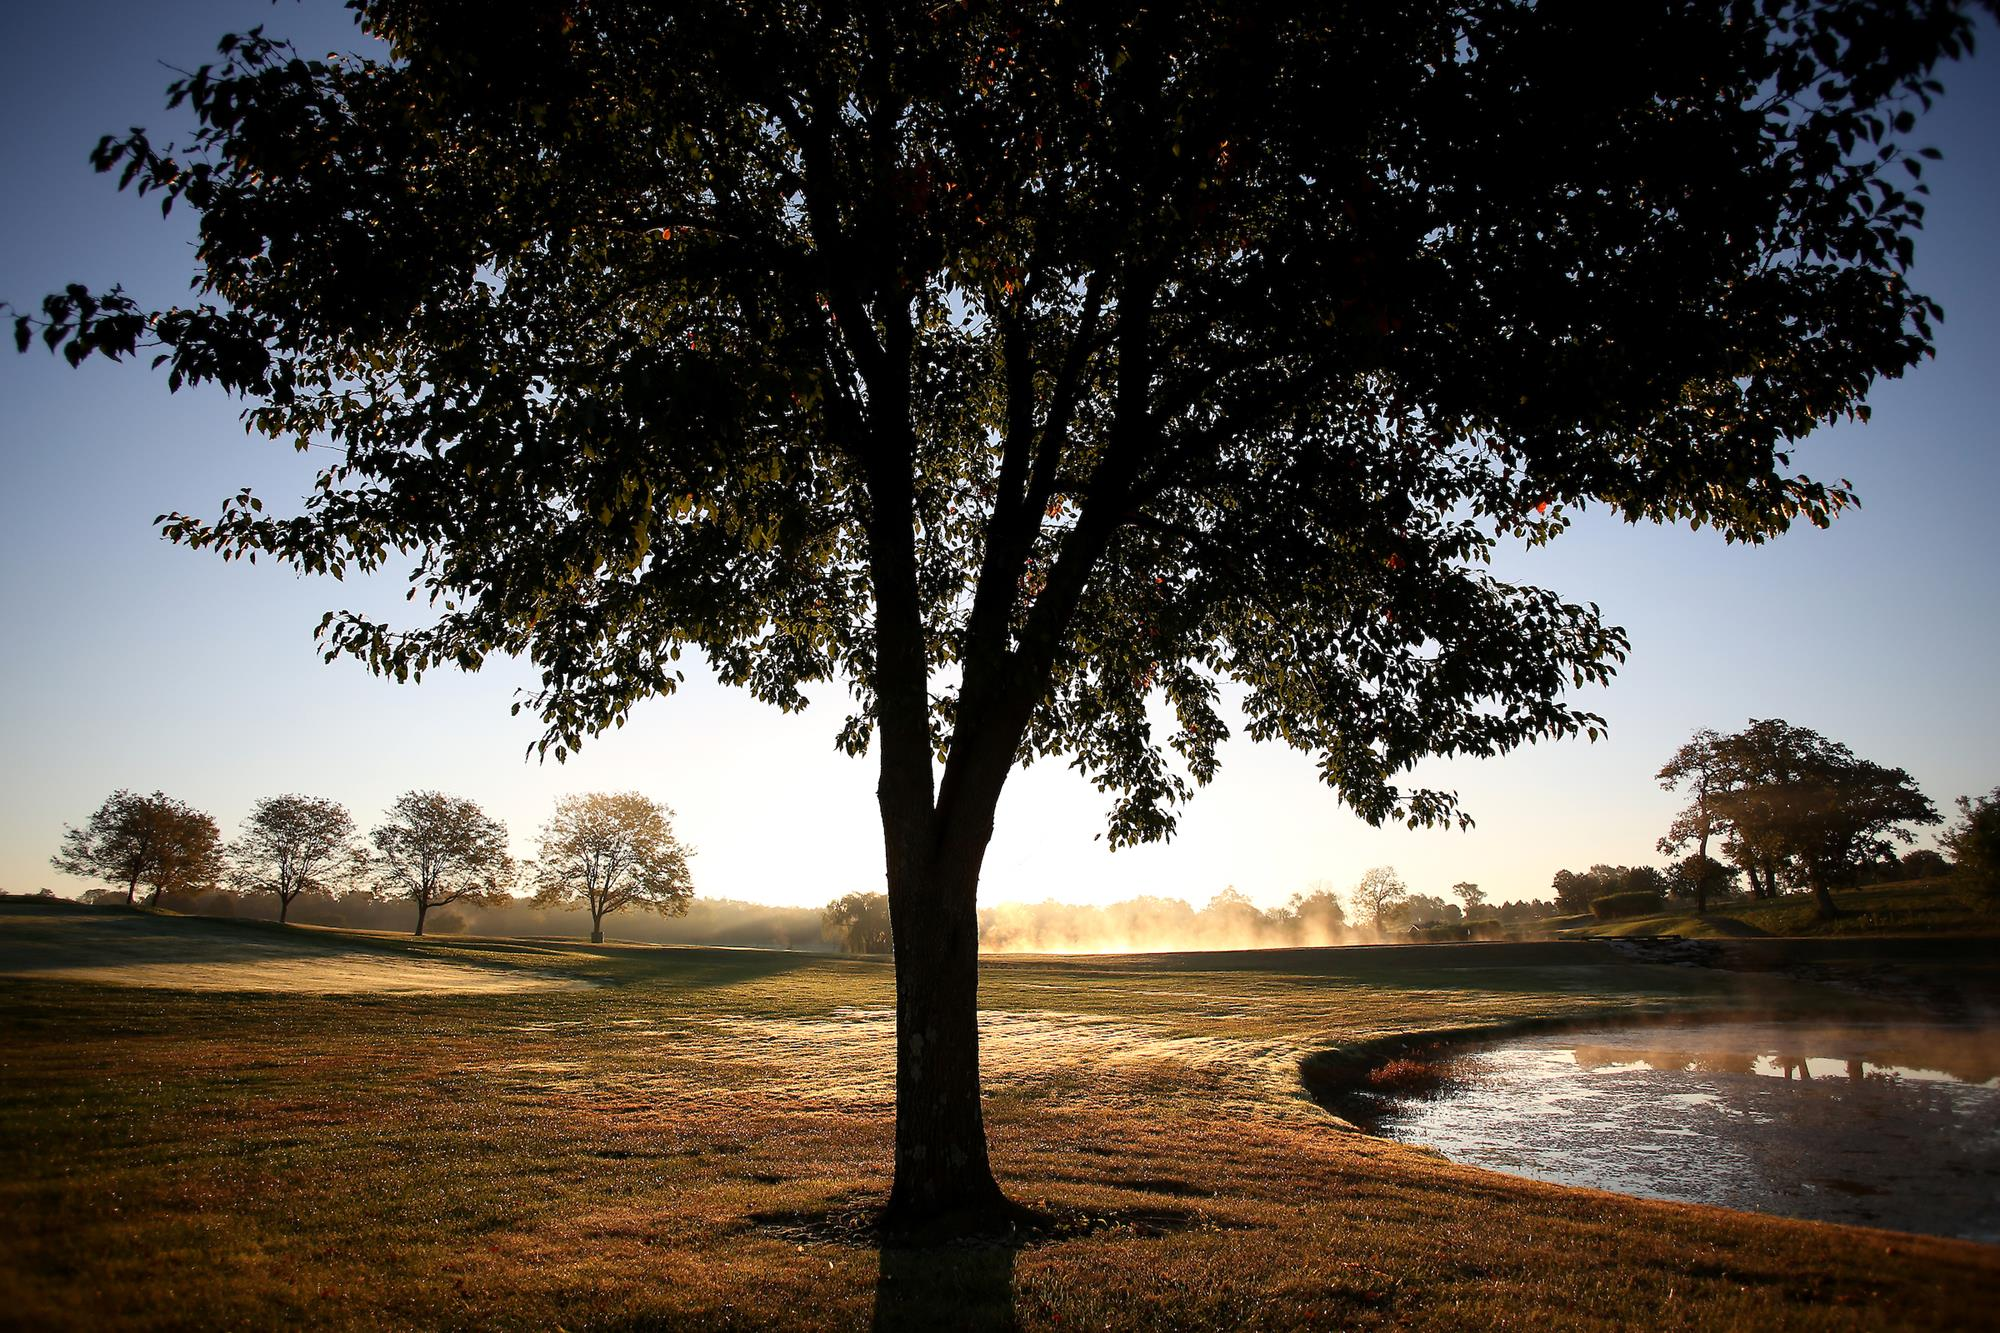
(1875, 1124)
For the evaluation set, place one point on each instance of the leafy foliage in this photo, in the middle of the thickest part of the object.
(1637, 902)
(1804, 806)
(632, 324)
(296, 844)
(1974, 842)
(1317, 914)
(436, 849)
(1701, 878)
(1380, 891)
(609, 851)
(1575, 892)
(859, 923)
(153, 840)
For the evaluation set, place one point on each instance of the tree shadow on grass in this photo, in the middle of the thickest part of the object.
(959, 1275)
(967, 1287)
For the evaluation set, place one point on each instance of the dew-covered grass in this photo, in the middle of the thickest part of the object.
(669, 1137)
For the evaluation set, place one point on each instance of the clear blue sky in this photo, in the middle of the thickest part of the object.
(127, 663)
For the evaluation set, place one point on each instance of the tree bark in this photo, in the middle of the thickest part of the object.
(942, 1168)
(1701, 885)
(423, 909)
(1824, 898)
(597, 927)
(284, 906)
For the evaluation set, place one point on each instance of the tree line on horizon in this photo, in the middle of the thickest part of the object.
(1789, 809)
(602, 852)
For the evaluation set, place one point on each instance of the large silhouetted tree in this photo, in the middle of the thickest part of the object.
(1040, 371)
(296, 844)
(1974, 841)
(607, 851)
(1806, 807)
(153, 840)
(436, 849)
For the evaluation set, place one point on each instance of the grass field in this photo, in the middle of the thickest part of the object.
(1917, 907)
(551, 1134)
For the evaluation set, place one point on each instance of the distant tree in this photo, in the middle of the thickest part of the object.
(611, 850)
(1379, 892)
(1974, 841)
(1576, 891)
(1699, 768)
(1151, 918)
(1922, 863)
(1642, 879)
(1702, 878)
(1031, 366)
(437, 849)
(1528, 909)
(1806, 805)
(859, 923)
(1424, 909)
(1316, 915)
(1229, 917)
(1573, 892)
(153, 840)
(295, 844)
(1470, 896)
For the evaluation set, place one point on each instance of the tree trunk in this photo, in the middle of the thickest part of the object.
(132, 890)
(1824, 898)
(284, 906)
(597, 927)
(941, 1161)
(423, 908)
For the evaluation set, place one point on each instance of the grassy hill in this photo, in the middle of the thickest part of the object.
(670, 1137)
(1917, 907)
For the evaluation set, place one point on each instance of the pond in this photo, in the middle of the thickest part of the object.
(1881, 1126)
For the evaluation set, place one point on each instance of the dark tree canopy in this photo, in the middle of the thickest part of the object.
(1974, 841)
(436, 850)
(858, 923)
(296, 844)
(609, 851)
(1577, 891)
(1040, 371)
(153, 840)
(1803, 808)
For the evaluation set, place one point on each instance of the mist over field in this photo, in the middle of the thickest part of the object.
(1152, 925)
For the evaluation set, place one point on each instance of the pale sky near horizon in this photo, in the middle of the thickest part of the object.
(127, 663)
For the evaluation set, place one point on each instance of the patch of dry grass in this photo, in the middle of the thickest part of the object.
(650, 1149)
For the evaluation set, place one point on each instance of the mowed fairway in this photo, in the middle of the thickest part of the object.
(635, 1137)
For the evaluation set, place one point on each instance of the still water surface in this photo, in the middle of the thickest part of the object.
(1890, 1127)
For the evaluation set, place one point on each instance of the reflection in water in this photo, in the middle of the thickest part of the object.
(1892, 1127)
